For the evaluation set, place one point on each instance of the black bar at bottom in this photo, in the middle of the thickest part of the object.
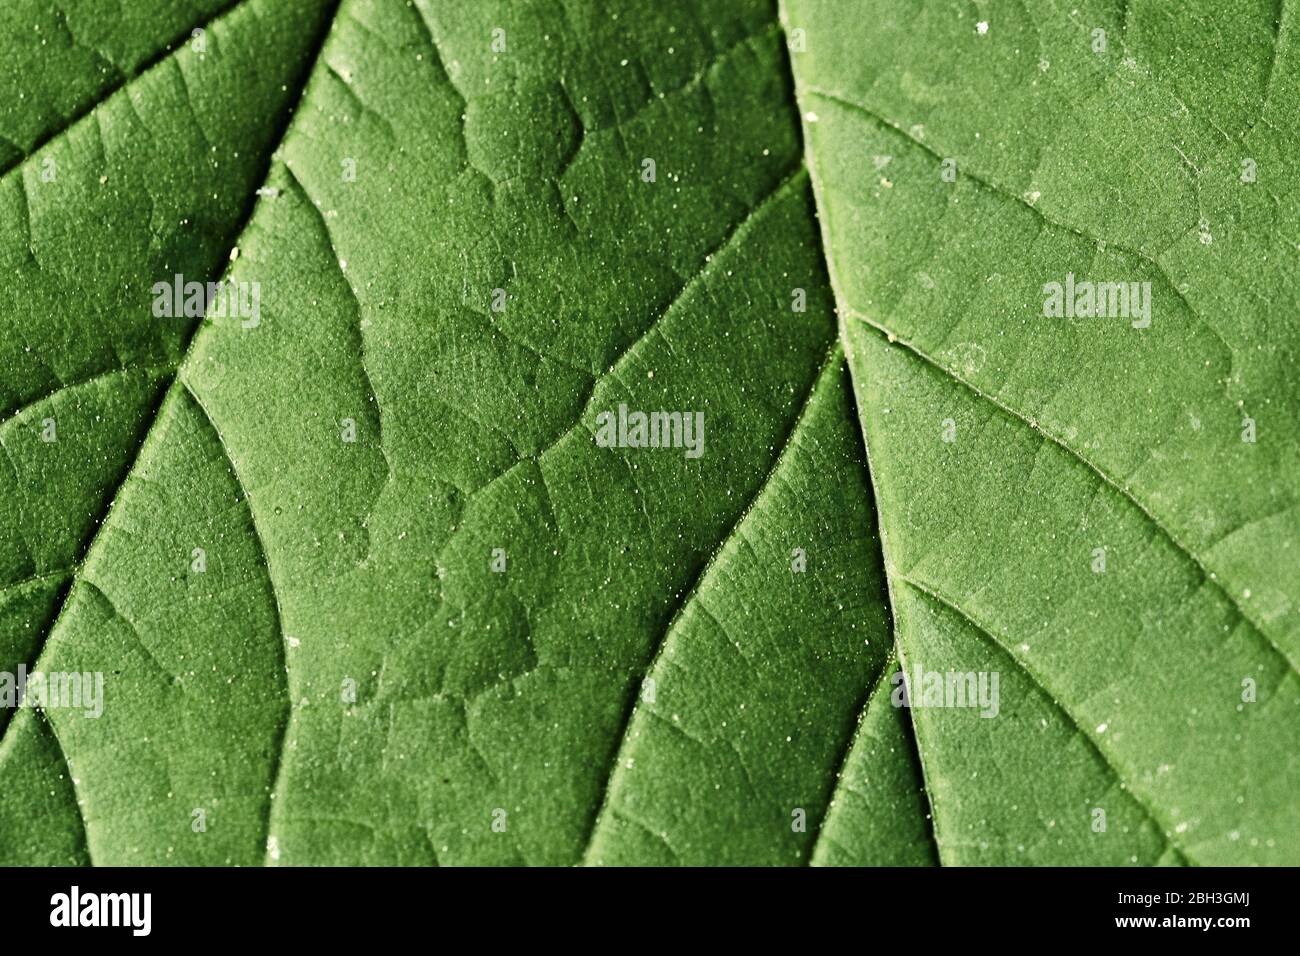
(614, 907)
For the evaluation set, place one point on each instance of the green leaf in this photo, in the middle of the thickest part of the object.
(1072, 435)
(56, 63)
(366, 586)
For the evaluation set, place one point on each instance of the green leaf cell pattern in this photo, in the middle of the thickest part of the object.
(366, 582)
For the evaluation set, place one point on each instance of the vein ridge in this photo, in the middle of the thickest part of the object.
(95, 379)
(1097, 241)
(1095, 745)
(874, 685)
(1112, 483)
(162, 55)
(709, 266)
(153, 418)
(829, 367)
(258, 539)
(841, 301)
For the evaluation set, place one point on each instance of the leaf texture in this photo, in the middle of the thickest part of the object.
(364, 586)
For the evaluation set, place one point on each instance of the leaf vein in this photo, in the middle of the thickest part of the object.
(1093, 742)
(894, 340)
(829, 367)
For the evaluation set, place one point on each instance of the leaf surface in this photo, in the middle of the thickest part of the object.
(1073, 435)
(435, 622)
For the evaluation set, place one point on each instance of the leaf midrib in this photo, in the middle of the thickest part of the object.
(895, 340)
(846, 314)
(838, 351)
